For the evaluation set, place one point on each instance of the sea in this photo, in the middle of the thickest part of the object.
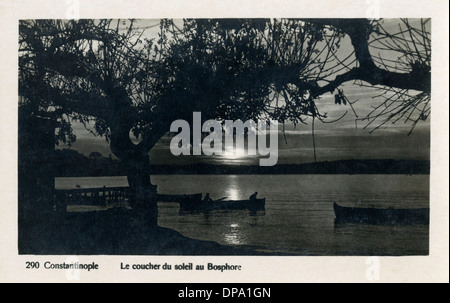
(298, 217)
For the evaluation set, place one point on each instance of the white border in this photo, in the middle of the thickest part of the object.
(432, 268)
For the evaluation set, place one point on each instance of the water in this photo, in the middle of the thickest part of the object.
(299, 217)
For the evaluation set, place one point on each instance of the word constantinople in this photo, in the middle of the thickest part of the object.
(212, 144)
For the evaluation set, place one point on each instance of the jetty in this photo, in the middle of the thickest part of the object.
(105, 196)
(112, 196)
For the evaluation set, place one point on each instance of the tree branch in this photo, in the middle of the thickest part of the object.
(359, 30)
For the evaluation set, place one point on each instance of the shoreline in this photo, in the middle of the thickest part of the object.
(338, 167)
(115, 231)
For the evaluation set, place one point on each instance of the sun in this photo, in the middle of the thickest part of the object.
(234, 154)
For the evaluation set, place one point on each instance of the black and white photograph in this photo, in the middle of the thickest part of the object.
(224, 136)
(105, 169)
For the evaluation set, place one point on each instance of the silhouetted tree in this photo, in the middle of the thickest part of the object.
(395, 60)
(91, 71)
(108, 74)
(279, 68)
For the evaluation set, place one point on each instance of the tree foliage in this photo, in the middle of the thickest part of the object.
(108, 75)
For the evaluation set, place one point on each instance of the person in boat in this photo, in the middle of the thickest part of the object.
(253, 196)
(207, 198)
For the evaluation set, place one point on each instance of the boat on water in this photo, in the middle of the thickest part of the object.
(201, 205)
(178, 198)
(381, 216)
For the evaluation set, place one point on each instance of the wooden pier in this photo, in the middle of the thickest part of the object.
(106, 196)
(90, 196)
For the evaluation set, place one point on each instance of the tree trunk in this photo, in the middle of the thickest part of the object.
(36, 180)
(142, 193)
(134, 158)
(36, 169)
(136, 165)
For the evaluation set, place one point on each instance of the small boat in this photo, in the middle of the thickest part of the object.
(178, 198)
(200, 205)
(381, 216)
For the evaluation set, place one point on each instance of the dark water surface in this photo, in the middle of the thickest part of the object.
(299, 217)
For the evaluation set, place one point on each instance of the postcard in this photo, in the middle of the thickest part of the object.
(204, 141)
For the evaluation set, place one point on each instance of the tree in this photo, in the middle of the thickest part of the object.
(107, 73)
(286, 65)
(104, 72)
(394, 60)
(91, 71)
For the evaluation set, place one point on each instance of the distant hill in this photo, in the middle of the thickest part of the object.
(382, 166)
(70, 163)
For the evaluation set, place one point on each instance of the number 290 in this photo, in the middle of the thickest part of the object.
(32, 265)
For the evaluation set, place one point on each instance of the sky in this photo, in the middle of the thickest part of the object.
(345, 139)
(295, 146)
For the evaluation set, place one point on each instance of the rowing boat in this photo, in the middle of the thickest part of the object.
(381, 216)
(178, 198)
(200, 205)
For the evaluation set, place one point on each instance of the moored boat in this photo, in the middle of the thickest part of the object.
(200, 205)
(178, 198)
(381, 216)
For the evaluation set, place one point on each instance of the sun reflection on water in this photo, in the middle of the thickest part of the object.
(233, 236)
(232, 194)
